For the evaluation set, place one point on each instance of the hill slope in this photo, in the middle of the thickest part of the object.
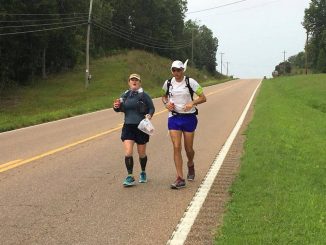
(65, 95)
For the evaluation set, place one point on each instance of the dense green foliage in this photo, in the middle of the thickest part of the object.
(315, 24)
(298, 60)
(43, 37)
(280, 194)
(283, 68)
(314, 56)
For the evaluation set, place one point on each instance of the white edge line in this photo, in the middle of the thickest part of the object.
(52, 122)
(182, 230)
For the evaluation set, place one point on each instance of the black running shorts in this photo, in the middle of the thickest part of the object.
(131, 132)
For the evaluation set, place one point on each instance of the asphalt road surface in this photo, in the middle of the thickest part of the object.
(61, 182)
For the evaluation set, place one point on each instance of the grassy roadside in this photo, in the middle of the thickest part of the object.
(64, 95)
(279, 196)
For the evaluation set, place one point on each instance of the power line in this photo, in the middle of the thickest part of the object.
(250, 8)
(5, 14)
(146, 40)
(30, 25)
(138, 42)
(40, 30)
(121, 35)
(221, 6)
(119, 31)
(44, 24)
(40, 20)
(138, 35)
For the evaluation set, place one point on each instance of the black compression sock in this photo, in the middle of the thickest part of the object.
(143, 162)
(129, 161)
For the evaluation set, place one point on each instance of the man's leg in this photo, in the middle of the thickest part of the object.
(189, 142)
(176, 141)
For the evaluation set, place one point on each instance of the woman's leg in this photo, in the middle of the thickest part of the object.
(142, 156)
(141, 150)
(129, 161)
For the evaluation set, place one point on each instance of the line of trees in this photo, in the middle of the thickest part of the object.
(315, 50)
(40, 37)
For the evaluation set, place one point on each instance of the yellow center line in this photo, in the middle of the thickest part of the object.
(217, 91)
(13, 164)
(9, 163)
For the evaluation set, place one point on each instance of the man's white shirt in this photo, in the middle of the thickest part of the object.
(179, 93)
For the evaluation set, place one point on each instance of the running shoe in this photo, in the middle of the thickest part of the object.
(191, 173)
(178, 184)
(143, 177)
(129, 181)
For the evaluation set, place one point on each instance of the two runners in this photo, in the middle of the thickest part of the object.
(177, 96)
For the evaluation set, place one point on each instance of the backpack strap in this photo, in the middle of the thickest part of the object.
(168, 87)
(191, 91)
(125, 95)
(141, 96)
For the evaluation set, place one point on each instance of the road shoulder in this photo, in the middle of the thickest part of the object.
(210, 217)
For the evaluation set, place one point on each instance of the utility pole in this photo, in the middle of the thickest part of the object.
(192, 47)
(221, 62)
(284, 62)
(88, 75)
(306, 53)
(227, 68)
(284, 52)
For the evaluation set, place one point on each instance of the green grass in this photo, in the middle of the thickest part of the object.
(64, 95)
(279, 196)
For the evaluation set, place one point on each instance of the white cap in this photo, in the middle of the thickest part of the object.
(179, 65)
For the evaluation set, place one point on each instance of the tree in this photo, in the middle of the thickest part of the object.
(205, 46)
(283, 68)
(315, 24)
(298, 60)
(153, 25)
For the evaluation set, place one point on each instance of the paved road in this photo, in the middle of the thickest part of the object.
(61, 182)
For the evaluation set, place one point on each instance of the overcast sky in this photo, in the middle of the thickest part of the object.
(252, 34)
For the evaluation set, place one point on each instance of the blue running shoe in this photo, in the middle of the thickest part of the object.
(143, 177)
(129, 181)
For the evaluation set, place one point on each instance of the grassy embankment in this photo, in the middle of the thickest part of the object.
(279, 196)
(64, 95)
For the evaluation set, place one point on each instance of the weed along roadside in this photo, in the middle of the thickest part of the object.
(279, 193)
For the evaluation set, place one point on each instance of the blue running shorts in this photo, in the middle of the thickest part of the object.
(183, 122)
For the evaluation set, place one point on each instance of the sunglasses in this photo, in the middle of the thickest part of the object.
(176, 70)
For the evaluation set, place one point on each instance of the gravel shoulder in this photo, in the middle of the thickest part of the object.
(210, 217)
